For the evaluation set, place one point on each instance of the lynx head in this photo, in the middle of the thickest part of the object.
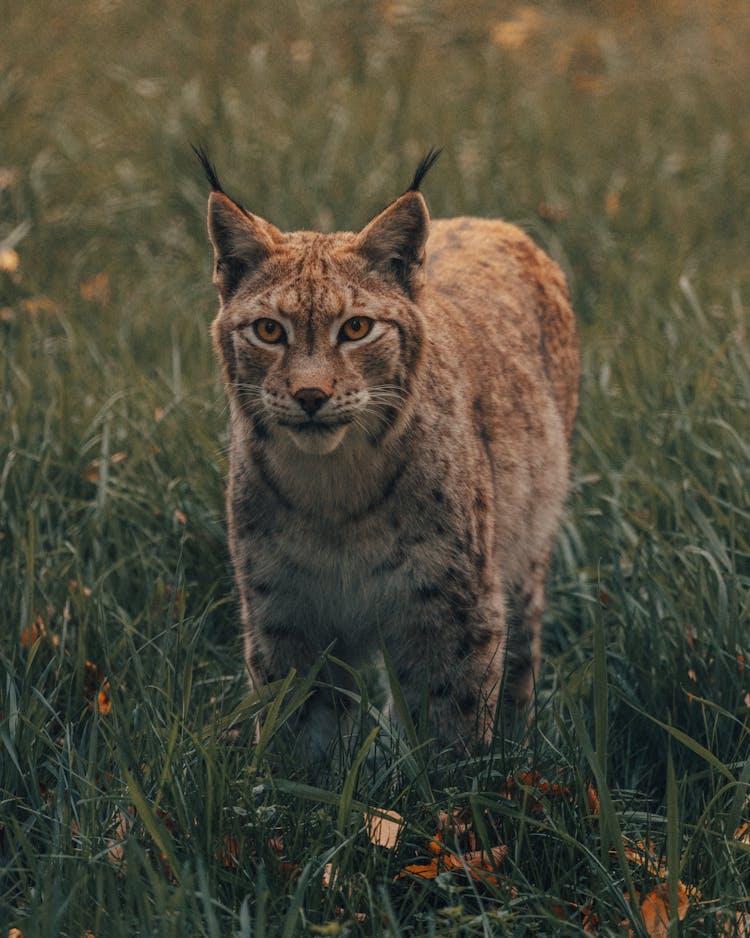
(319, 334)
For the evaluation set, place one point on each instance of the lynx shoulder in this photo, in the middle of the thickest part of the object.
(402, 400)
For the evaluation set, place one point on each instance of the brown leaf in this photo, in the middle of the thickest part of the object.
(35, 305)
(424, 871)
(481, 864)
(592, 797)
(735, 926)
(655, 909)
(96, 289)
(511, 35)
(115, 843)
(645, 855)
(229, 852)
(32, 632)
(9, 260)
(384, 828)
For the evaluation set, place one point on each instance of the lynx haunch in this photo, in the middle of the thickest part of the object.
(402, 400)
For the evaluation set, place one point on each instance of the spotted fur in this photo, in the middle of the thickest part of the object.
(403, 490)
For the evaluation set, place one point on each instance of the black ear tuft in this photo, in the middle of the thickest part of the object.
(210, 170)
(208, 167)
(428, 161)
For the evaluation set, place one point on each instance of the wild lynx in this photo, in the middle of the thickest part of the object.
(401, 403)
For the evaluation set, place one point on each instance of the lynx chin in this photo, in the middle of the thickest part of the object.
(402, 400)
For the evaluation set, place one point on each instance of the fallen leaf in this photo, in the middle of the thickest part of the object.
(35, 305)
(645, 855)
(384, 829)
(424, 871)
(482, 864)
(229, 852)
(9, 260)
(93, 473)
(735, 926)
(96, 688)
(330, 928)
(32, 632)
(115, 843)
(514, 33)
(103, 700)
(96, 289)
(612, 203)
(8, 178)
(655, 909)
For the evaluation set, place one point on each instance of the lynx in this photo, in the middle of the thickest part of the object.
(402, 401)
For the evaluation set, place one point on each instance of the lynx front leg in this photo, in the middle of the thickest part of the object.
(317, 726)
(456, 659)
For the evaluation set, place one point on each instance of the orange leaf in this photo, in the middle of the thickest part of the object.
(32, 632)
(645, 855)
(476, 860)
(103, 700)
(383, 829)
(736, 926)
(9, 260)
(426, 871)
(96, 289)
(120, 829)
(229, 851)
(34, 305)
(655, 909)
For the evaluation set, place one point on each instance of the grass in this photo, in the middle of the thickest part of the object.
(617, 134)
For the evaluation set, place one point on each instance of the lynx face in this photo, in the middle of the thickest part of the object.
(318, 333)
(318, 363)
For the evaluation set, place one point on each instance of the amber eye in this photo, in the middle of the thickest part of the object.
(355, 328)
(270, 331)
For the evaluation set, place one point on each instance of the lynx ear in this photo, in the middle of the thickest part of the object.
(241, 241)
(394, 241)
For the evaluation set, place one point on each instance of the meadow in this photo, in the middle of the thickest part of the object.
(133, 801)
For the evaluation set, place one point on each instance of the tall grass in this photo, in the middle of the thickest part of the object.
(617, 134)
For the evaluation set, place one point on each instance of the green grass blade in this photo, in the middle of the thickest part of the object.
(347, 792)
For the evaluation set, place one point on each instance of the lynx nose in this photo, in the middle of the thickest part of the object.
(311, 399)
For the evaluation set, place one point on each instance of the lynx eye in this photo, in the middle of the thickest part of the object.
(355, 329)
(269, 331)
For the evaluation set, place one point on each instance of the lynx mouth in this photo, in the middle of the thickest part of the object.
(317, 438)
(313, 426)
